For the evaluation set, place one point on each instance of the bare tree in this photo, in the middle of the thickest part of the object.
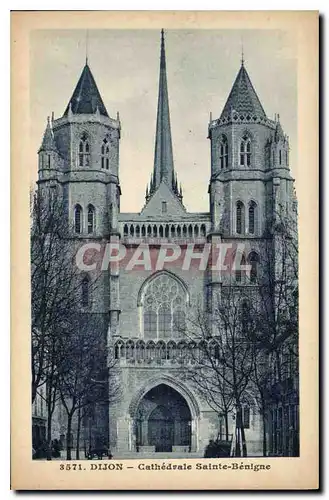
(53, 284)
(223, 366)
(273, 317)
(249, 329)
(55, 295)
(53, 292)
(87, 375)
(205, 372)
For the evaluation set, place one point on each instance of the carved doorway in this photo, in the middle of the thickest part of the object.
(163, 421)
(161, 429)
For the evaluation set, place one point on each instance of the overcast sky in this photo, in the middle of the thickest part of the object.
(201, 68)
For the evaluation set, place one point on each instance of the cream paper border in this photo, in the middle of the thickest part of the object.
(285, 473)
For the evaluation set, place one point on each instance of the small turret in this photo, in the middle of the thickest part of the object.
(48, 141)
(48, 153)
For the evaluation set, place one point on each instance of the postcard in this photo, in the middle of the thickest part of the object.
(164, 211)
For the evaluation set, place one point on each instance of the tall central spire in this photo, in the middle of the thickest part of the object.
(163, 170)
(163, 155)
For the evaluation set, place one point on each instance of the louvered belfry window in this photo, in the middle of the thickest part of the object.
(105, 155)
(78, 219)
(84, 152)
(240, 217)
(245, 152)
(91, 219)
(252, 217)
(223, 157)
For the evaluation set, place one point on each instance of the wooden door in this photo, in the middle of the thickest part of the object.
(161, 430)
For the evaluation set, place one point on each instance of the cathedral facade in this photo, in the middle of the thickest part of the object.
(144, 309)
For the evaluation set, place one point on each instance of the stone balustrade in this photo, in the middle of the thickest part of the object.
(173, 231)
(150, 352)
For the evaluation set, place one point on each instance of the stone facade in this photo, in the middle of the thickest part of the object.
(80, 157)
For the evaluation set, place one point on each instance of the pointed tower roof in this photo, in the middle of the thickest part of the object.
(48, 141)
(163, 155)
(279, 134)
(86, 97)
(243, 97)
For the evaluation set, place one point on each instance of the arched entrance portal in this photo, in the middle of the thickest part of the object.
(163, 421)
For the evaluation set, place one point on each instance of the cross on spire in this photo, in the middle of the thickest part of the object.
(87, 42)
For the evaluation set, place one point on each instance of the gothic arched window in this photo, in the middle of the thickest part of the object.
(240, 217)
(164, 307)
(91, 219)
(84, 151)
(223, 156)
(105, 154)
(245, 151)
(85, 292)
(252, 217)
(238, 272)
(78, 219)
(253, 260)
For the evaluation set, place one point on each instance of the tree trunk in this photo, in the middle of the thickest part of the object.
(49, 401)
(49, 422)
(241, 444)
(226, 425)
(78, 434)
(244, 443)
(264, 433)
(33, 391)
(68, 436)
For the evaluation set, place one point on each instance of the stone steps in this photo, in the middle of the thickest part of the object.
(155, 455)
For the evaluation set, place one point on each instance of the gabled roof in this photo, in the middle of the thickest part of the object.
(48, 141)
(243, 97)
(86, 97)
(163, 193)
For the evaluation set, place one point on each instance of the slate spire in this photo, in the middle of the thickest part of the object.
(163, 155)
(86, 97)
(243, 97)
(48, 141)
